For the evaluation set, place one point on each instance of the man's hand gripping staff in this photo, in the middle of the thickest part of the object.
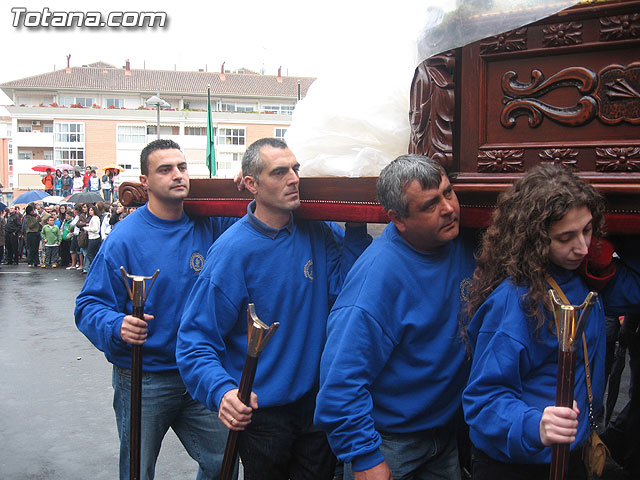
(138, 293)
(237, 404)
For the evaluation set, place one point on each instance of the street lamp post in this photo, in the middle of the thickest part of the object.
(156, 101)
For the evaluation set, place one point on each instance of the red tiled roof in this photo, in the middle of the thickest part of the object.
(105, 77)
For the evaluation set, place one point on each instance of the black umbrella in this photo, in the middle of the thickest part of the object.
(85, 197)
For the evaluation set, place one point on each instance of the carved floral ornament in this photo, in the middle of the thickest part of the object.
(511, 41)
(561, 34)
(560, 156)
(618, 159)
(501, 161)
(620, 27)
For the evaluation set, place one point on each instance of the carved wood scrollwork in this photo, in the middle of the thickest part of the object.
(560, 156)
(511, 41)
(501, 161)
(432, 109)
(132, 194)
(614, 159)
(612, 95)
(522, 98)
(620, 27)
(561, 34)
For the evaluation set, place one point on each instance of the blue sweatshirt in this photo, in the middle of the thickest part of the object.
(142, 243)
(293, 276)
(393, 362)
(513, 377)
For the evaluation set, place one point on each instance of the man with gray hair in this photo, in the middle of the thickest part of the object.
(292, 271)
(393, 370)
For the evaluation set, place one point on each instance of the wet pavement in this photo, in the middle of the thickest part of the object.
(56, 420)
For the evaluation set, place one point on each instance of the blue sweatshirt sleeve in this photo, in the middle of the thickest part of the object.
(622, 294)
(498, 419)
(100, 306)
(357, 349)
(208, 316)
(340, 258)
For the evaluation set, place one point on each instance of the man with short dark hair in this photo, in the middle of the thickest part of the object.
(292, 271)
(47, 181)
(393, 368)
(67, 183)
(12, 235)
(161, 236)
(94, 182)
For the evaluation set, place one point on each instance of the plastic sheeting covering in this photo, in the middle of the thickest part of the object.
(355, 121)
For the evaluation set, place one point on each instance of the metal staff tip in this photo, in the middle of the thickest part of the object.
(138, 294)
(259, 333)
(569, 328)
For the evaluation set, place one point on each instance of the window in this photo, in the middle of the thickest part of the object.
(82, 101)
(25, 155)
(231, 136)
(47, 128)
(281, 109)
(228, 161)
(279, 133)
(11, 162)
(164, 130)
(125, 166)
(10, 147)
(69, 132)
(66, 101)
(24, 128)
(131, 134)
(71, 155)
(48, 155)
(115, 102)
(195, 130)
(237, 107)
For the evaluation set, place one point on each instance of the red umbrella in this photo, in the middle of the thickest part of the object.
(43, 168)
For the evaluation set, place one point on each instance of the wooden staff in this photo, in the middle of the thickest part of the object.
(569, 331)
(138, 294)
(259, 335)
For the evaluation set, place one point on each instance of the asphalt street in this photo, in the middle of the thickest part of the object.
(56, 421)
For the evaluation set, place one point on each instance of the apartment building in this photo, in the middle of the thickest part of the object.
(98, 114)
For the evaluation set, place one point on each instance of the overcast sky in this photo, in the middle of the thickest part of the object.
(305, 38)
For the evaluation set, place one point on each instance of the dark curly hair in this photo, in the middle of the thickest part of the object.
(517, 243)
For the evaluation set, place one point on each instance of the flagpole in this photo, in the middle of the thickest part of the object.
(210, 140)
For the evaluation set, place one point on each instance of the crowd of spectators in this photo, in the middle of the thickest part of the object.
(63, 183)
(57, 236)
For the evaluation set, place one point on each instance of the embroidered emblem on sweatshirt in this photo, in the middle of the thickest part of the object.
(197, 262)
(308, 270)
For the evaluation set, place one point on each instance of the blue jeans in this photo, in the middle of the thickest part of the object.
(167, 404)
(427, 455)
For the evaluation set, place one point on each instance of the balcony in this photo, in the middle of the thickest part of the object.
(32, 139)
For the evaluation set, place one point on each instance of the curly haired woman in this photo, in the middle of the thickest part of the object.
(543, 226)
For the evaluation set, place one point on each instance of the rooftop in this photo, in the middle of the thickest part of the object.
(102, 76)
